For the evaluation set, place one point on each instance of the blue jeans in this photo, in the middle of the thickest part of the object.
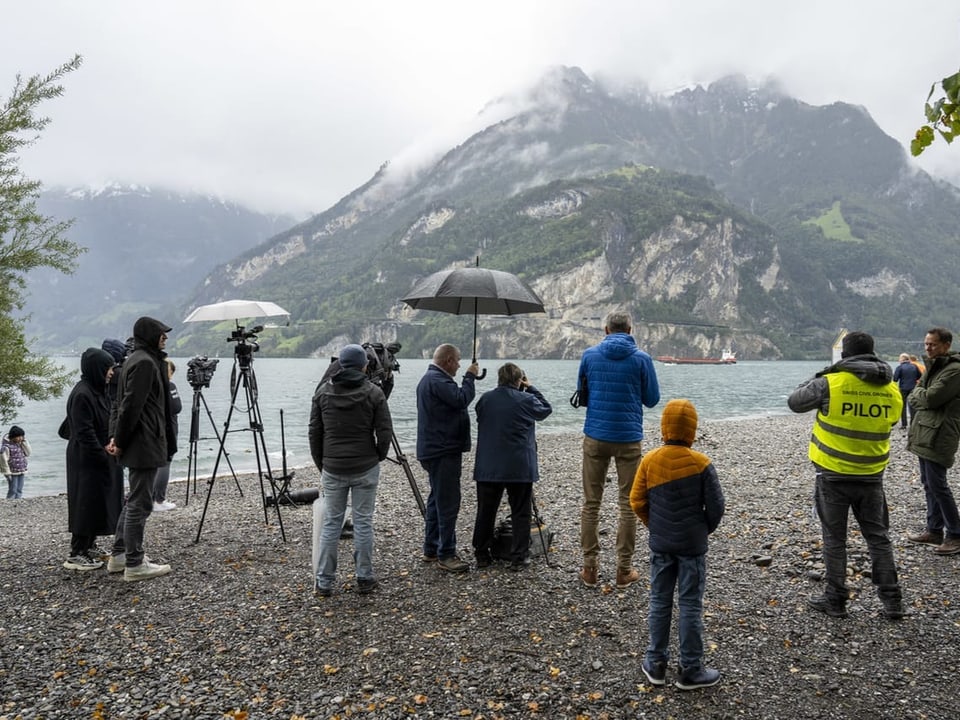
(361, 490)
(834, 501)
(443, 505)
(15, 486)
(942, 512)
(688, 573)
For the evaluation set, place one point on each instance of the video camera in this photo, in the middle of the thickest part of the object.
(200, 371)
(382, 363)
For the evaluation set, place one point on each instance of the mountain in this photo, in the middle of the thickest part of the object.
(146, 250)
(725, 216)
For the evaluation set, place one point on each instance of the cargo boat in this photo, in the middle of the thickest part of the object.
(727, 358)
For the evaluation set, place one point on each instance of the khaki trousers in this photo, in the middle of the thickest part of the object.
(596, 460)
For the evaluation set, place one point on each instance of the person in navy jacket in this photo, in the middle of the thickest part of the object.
(506, 459)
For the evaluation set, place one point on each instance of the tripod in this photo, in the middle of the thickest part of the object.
(401, 460)
(199, 399)
(243, 376)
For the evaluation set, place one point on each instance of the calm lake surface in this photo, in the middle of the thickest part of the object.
(747, 389)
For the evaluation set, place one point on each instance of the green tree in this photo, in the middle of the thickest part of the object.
(943, 116)
(28, 240)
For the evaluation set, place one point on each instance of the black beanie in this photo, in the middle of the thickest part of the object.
(856, 343)
(16, 431)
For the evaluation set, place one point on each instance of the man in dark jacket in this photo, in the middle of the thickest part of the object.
(621, 381)
(142, 438)
(350, 434)
(443, 435)
(857, 404)
(933, 437)
(507, 460)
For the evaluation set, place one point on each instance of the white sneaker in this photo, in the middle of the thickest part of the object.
(118, 563)
(163, 506)
(145, 571)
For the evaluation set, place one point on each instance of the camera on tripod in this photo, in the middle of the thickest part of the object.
(200, 371)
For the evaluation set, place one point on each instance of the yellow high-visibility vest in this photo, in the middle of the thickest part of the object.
(853, 438)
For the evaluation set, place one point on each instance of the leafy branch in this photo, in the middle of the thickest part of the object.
(943, 116)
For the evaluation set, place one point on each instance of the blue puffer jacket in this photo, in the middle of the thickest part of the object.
(621, 381)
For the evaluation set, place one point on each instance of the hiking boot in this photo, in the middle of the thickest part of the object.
(588, 576)
(828, 606)
(699, 677)
(950, 546)
(626, 578)
(82, 563)
(144, 571)
(322, 591)
(365, 586)
(927, 537)
(429, 558)
(894, 610)
(656, 672)
(453, 564)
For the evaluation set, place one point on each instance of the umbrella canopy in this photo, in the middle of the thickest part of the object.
(474, 291)
(234, 310)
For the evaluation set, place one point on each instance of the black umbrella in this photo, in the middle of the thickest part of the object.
(475, 290)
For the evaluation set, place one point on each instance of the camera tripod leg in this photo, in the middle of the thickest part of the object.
(540, 527)
(401, 460)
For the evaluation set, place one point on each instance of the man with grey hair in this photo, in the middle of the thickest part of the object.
(619, 381)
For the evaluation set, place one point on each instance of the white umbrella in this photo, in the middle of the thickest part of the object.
(234, 310)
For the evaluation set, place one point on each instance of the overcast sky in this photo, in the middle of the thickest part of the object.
(289, 105)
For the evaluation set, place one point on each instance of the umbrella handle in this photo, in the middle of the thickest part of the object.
(483, 373)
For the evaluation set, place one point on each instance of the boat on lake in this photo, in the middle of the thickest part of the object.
(727, 358)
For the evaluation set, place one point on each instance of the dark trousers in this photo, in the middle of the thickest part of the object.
(81, 544)
(133, 517)
(906, 407)
(489, 495)
(443, 505)
(942, 514)
(834, 501)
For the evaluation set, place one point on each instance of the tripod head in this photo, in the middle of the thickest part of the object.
(246, 344)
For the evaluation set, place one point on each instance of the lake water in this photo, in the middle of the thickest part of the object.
(747, 389)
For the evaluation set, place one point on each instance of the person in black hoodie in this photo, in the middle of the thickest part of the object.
(350, 434)
(89, 492)
(142, 438)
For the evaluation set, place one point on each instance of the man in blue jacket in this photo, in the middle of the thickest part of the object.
(443, 435)
(620, 381)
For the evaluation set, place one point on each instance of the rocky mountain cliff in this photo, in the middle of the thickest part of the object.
(725, 216)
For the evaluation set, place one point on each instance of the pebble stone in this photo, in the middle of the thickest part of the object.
(235, 630)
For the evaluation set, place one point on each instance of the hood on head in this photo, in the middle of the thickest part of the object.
(94, 364)
(116, 348)
(147, 332)
(679, 422)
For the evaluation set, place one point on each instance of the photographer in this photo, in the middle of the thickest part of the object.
(506, 459)
(350, 433)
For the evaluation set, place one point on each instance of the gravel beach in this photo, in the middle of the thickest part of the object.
(236, 631)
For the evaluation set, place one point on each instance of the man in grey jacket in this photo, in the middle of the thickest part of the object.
(350, 434)
(933, 437)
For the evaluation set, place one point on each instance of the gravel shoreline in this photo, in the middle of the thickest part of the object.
(236, 631)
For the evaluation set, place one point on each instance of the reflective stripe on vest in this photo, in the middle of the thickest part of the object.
(853, 438)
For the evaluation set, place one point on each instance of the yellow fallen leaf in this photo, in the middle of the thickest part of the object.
(554, 671)
(420, 699)
(330, 669)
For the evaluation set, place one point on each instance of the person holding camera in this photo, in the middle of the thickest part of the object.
(443, 435)
(350, 434)
(174, 408)
(506, 459)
